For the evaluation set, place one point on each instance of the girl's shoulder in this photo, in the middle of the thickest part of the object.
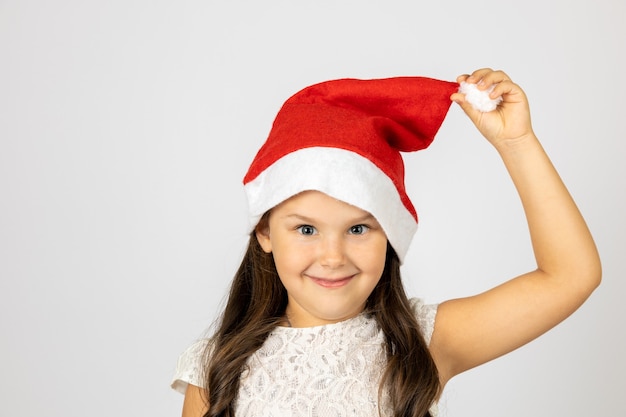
(189, 369)
(425, 314)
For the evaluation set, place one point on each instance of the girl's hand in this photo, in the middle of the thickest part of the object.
(510, 121)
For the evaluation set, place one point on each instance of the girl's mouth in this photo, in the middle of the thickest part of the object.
(332, 283)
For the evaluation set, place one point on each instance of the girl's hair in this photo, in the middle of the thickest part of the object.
(256, 305)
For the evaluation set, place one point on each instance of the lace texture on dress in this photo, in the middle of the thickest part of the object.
(330, 370)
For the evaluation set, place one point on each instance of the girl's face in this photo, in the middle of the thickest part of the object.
(329, 256)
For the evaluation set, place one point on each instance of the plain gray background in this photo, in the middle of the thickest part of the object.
(127, 126)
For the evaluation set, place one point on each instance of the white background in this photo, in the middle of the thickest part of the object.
(127, 126)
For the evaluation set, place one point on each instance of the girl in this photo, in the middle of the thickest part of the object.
(317, 321)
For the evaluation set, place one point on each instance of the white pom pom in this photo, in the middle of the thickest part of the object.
(479, 99)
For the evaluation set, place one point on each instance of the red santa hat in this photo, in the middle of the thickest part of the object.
(344, 138)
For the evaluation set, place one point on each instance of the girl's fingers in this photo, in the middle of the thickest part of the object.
(486, 77)
(502, 88)
(459, 98)
(461, 78)
(478, 75)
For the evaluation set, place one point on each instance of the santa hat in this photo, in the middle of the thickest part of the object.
(344, 138)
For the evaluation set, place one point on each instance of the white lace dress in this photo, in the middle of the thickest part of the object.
(330, 370)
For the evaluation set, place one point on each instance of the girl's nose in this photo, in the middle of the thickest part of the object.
(332, 252)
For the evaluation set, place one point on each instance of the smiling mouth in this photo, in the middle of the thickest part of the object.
(332, 283)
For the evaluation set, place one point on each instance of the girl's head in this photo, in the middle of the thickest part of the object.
(343, 138)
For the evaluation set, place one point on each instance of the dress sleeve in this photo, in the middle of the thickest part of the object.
(425, 314)
(189, 369)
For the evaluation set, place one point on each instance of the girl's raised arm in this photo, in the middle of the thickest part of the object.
(474, 330)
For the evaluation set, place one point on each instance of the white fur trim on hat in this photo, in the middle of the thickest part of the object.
(341, 174)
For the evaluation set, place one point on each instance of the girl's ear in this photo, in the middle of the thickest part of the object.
(262, 232)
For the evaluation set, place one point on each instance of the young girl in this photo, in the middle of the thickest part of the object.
(317, 322)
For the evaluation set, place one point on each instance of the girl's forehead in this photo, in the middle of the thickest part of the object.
(316, 204)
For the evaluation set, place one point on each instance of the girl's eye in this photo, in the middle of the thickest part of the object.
(306, 230)
(358, 229)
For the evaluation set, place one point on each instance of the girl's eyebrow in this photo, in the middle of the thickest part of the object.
(300, 217)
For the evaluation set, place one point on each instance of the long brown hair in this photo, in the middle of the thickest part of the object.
(256, 305)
